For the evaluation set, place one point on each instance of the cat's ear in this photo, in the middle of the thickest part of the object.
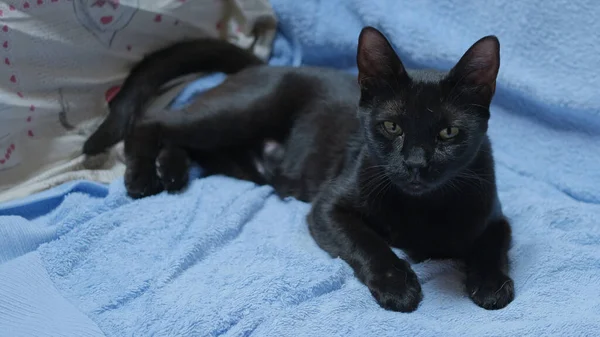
(479, 66)
(376, 58)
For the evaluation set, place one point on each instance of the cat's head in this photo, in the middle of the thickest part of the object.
(425, 127)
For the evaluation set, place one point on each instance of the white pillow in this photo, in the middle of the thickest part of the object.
(60, 61)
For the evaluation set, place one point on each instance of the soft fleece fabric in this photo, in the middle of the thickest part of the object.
(227, 258)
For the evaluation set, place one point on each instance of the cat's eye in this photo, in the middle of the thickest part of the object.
(449, 132)
(392, 128)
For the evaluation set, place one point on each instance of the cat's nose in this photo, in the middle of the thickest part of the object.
(415, 161)
(414, 171)
(416, 165)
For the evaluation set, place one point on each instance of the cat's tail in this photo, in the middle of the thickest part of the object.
(158, 68)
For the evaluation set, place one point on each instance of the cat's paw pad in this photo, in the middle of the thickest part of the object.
(492, 291)
(141, 180)
(172, 167)
(396, 289)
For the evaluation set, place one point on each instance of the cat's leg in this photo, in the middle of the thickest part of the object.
(488, 283)
(142, 146)
(237, 114)
(342, 232)
(172, 167)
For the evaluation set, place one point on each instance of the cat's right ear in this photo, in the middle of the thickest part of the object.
(376, 59)
(478, 68)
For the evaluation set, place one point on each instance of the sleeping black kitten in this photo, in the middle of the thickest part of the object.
(398, 158)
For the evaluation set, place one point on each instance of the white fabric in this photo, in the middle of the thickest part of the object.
(61, 60)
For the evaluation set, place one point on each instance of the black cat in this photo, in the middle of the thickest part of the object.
(396, 158)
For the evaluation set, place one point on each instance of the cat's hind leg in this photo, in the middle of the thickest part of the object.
(172, 167)
(151, 165)
(142, 146)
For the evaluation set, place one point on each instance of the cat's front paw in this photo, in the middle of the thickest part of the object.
(490, 291)
(397, 288)
(172, 166)
(141, 179)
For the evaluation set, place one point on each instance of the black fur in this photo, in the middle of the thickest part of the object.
(146, 79)
(400, 159)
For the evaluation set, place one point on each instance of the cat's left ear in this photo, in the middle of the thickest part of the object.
(478, 67)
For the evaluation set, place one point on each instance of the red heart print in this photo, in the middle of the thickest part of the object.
(106, 19)
(13, 79)
(7, 61)
(11, 7)
(12, 146)
(26, 5)
(40, 2)
(2, 161)
(32, 108)
(29, 119)
(5, 44)
(9, 150)
(20, 94)
(111, 92)
(5, 28)
(158, 18)
(54, 0)
(7, 156)
(30, 133)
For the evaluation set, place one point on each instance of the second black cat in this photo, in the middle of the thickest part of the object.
(396, 158)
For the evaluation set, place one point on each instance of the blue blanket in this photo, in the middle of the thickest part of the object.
(228, 258)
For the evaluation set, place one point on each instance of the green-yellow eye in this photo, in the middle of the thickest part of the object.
(449, 132)
(392, 128)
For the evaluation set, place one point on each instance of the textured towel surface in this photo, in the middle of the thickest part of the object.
(227, 258)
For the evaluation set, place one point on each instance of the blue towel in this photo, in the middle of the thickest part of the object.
(228, 258)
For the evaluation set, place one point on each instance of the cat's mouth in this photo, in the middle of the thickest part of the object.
(415, 187)
(411, 184)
